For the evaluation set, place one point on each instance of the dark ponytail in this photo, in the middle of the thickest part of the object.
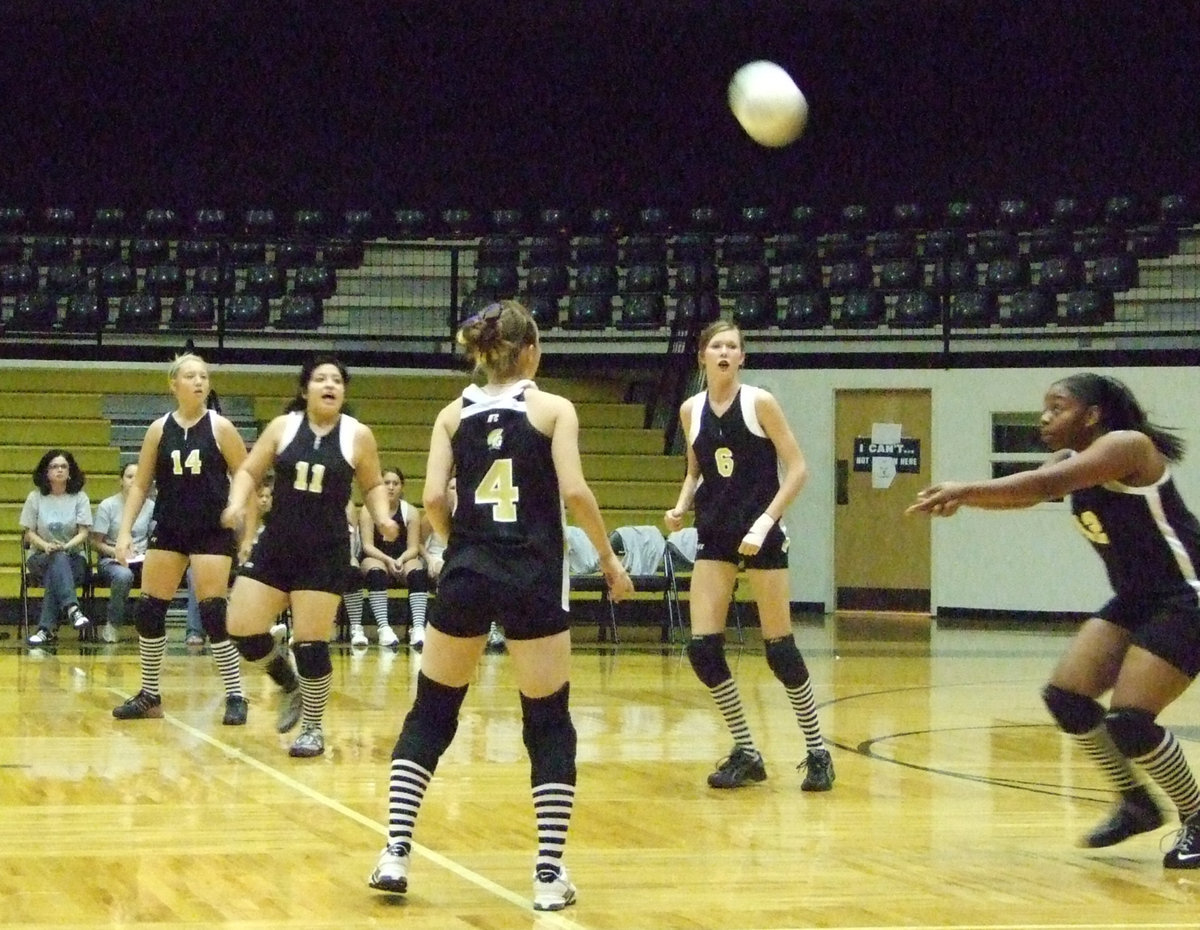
(1119, 409)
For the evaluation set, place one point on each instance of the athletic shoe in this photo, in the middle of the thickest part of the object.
(1185, 853)
(495, 640)
(391, 871)
(279, 632)
(552, 891)
(42, 637)
(109, 634)
(387, 638)
(291, 705)
(310, 742)
(1134, 813)
(739, 768)
(358, 637)
(194, 639)
(235, 710)
(141, 706)
(819, 775)
(416, 637)
(77, 617)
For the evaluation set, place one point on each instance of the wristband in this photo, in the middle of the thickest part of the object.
(759, 530)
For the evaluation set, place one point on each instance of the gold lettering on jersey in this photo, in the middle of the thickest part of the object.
(1090, 526)
(191, 463)
(495, 439)
(724, 460)
(304, 482)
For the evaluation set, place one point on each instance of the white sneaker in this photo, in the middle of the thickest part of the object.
(78, 619)
(495, 640)
(552, 892)
(357, 636)
(391, 871)
(108, 633)
(388, 638)
(416, 637)
(279, 632)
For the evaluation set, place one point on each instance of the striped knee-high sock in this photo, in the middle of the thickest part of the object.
(417, 604)
(354, 607)
(407, 784)
(229, 666)
(804, 705)
(151, 652)
(379, 606)
(314, 696)
(1097, 744)
(729, 703)
(552, 805)
(1169, 769)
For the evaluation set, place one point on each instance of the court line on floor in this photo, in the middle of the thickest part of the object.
(546, 918)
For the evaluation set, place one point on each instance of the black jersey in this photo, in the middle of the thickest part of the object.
(739, 467)
(1147, 537)
(508, 524)
(403, 514)
(313, 477)
(191, 476)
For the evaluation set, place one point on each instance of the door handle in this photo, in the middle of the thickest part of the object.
(841, 481)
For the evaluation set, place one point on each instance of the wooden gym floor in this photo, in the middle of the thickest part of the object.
(956, 803)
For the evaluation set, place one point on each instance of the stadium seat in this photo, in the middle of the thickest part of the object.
(49, 250)
(265, 281)
(806, 310)
(261, 224)
(1049, 242)
(972, 309)
(161, 223)
(696, 277)
(747, 277)
(1005, 275)
(316, 280)
(146, 252)
(915, 308)
(193, 311)
(798, 276)
(139, 312)
(900, 274)
(1030, 307)
(643, 310)
(192, 253)
(545, 309)
(1087, 307)
(991, 244)
(36, 312)
(497, 281)
(1117, 272)
(589, 310)
(1061, 273)
(165, 280)
(216, 280)
(116, 280)
(1156, 241)
(311, 223)
(247, 252)
(850, 275)
(211, 222)
(17, 279)
(295, 254)
(754, 310)
(99, 250)
(67, 279)
(646, 278)
(246, 311)
(299, 311)
(743, 248)
(342, 254)
(85, 313)
(595, 250)
(944, 243)
(699, 307)
(861, 309)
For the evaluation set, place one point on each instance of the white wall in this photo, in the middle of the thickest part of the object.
(1030, 559)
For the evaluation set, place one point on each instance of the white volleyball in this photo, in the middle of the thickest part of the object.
(768, 104)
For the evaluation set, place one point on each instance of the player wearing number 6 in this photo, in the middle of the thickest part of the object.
(189, 454)
(514, 452)
(737, 440)
(300, 559)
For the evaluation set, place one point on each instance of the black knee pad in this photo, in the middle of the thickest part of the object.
(212, 618)
(1133, 731)
(256, 647)
(312, 659)
(707, 655)
(152, 617)
(1074, 713)
(431, 723)
(784, 659)
(417, 581)
(549, 738)
(377, 580)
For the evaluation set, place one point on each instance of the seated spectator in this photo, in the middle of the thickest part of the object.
(56, 518)
(394, 564)
(118, 578)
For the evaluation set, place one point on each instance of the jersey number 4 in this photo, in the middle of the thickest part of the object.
(498, 490)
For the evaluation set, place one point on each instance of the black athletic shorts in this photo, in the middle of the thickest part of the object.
(188, 541)
(1166, 627)
(284, 566)
(468, 602)
(723, 547)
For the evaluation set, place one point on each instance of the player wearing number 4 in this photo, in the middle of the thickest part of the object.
(189, 454)
(316, 452)
(515, 452)
(737, 439)
(1144, 644)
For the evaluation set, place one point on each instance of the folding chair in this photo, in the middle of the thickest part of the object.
(31, 588)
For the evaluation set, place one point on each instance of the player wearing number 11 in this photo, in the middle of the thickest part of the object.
(300, 559)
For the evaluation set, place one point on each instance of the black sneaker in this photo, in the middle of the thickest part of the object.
(141, 706)
(740, 767)
(1185, 853)
(235, 710)
(819, 775)
(1134, 813)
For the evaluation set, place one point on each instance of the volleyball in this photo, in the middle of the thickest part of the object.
(768, 104)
